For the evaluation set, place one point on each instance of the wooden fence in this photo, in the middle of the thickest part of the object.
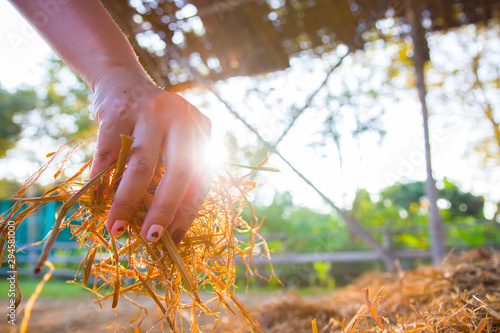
(67, 256)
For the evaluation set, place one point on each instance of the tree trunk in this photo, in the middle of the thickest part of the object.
(421, 54)
(435, 224)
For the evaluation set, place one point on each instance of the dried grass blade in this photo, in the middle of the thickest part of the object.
(314, 326)
(116, 294)
(33, 297)
(150, 291)
(491, 311)
(372, 309)
(423, 318)
(257, 168)
(482, 325)
(123, 156)
(88, 266)
(179, 263)
(351, 326)
(60, 218)
(137, 319)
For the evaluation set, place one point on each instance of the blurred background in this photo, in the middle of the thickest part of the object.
(344, 94)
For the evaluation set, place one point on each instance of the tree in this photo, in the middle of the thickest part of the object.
(12, 107)
(455, 204)
(420, 57)
(36, 120)
(461, 204)
(63, 104)
(465, 79)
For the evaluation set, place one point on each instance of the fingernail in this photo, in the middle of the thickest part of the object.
(119, 227)
(154, 233)
(178, 234)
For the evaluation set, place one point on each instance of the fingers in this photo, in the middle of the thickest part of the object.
(197, 191)
(135, 180)
(190, 207)
(184, 185)
(203, 126)
(108, 141)
(179, 159)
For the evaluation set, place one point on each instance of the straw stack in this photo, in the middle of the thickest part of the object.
(462, 295)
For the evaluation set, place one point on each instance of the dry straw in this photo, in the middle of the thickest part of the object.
(204, 260)
(460, 296)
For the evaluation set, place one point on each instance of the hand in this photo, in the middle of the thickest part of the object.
(127, 102)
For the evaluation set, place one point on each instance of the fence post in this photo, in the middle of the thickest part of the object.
(387, 243)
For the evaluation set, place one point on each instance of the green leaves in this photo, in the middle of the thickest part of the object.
(57, 108)
(473, 237)
(413, 241)
(12, 106)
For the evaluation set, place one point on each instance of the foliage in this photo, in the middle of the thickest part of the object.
(298, 229)
(354, 105)
(323, 277)
(464, 78)
(410, 198)
(12, 105)
(66, 101)
(404, 196)
(402, 208)
(8, 187)
(56, 109)
(463, 204)
(36, 120)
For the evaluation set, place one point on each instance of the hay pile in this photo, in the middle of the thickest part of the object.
(463, 295)
(129, 266)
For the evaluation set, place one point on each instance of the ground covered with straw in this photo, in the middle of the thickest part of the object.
(462, 295)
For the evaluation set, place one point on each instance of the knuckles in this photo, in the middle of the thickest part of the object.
(166, 211)
(104, 157)
(176, 108)
(183, 169)
(124, 208)
(153, 106)
(141, 167)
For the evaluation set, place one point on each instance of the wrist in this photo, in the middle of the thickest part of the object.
(121, 88)
(114, 72)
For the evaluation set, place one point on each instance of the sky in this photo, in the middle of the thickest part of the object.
(21, 49)
(398, 158)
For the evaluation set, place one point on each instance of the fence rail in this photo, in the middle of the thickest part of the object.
(66, 251)
(337, 257)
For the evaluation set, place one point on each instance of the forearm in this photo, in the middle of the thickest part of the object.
(83, 35)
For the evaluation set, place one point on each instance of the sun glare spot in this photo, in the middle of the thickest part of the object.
(216, 156)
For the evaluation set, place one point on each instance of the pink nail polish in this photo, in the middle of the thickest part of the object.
(119, 227)
(154, 233)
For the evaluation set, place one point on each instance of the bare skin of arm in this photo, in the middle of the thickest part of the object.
(126, 101)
